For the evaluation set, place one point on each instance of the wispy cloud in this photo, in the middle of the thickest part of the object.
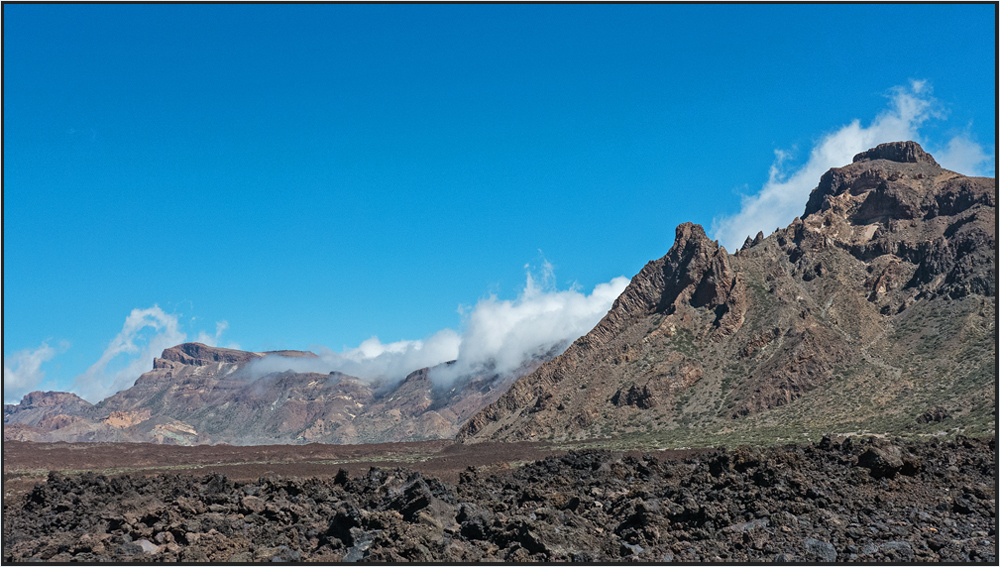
(144, 336)
(967, 157)
(134, 345)
(784, 195)
(499, 336)
(22, 371)
(216, 339)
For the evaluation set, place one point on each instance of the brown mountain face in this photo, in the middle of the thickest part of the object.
(199, 394)
(876, 311)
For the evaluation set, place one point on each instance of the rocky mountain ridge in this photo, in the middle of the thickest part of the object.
(875, 308)
(200, 394)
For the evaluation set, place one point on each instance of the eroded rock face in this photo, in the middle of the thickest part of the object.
(865, 302)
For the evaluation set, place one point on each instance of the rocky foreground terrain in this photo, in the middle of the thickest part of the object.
(840, 500)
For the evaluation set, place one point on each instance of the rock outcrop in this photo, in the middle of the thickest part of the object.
(876, 305)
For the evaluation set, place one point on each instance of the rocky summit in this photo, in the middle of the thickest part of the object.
(873, 312)
(197, 394)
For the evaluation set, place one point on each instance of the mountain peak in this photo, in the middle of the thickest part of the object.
(690, 232)
(898, 180)
(902, 152)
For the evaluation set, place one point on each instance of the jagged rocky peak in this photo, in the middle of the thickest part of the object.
(903, 152)
(696, 271)
(750, 243)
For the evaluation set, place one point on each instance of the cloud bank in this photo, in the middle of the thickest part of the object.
(498, 336)
(784, 195)
(502, 335)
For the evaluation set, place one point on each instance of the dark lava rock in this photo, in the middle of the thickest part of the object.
(818, 549)
(897, 551)
(883, 459)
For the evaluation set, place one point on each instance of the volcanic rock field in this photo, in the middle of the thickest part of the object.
(843, 499)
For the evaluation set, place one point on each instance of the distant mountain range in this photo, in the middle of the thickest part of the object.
(876, 310)
(199, 394)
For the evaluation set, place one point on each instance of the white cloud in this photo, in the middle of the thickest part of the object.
(965, 156)
(784, 195)
(499, 335)
(504, 334)
(98, 382)
(22, 371)
(144, 336)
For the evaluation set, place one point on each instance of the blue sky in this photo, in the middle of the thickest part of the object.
(313, 176)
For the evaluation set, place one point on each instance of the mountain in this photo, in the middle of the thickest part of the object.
(199, 394)
(40, 412)
(874, 311)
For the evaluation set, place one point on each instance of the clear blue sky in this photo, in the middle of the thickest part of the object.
(319, 174)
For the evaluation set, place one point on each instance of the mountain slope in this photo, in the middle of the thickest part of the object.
(874, 311)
